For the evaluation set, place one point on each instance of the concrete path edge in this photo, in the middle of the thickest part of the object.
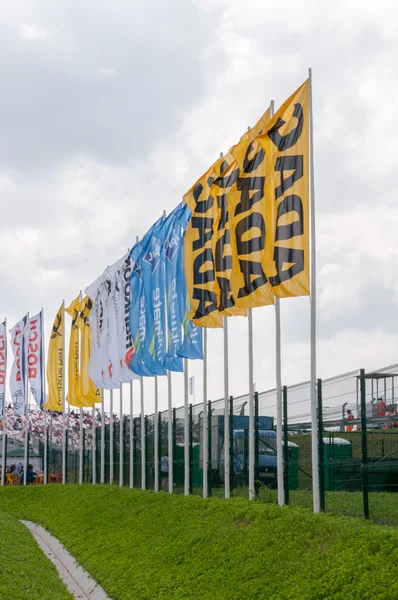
(76, 579)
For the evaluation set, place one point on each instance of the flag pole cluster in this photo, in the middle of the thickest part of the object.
(238, 240)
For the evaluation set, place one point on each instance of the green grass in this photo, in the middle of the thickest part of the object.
(383, 506)
(25, 572)
(141, 545)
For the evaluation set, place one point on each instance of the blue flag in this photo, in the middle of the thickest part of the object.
(153, 284)
(171, 249)
(192, 345)
(138, 307)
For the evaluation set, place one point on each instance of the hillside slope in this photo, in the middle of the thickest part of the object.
(141, 545)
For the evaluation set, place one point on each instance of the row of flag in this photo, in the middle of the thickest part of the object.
(239, 239)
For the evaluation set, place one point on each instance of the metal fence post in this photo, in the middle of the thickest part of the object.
(320, 448)
(256, 447)
(365, 491)
(209, 448)
(285, 445)
(231, 444)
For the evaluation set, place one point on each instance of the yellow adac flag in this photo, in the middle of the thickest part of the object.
(244, 197)
(74, 396)
(200, 249)
(56, 363)
(89, 394)
(285, 142)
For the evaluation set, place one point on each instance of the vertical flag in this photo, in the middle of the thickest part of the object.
(153, 278)
(140, 307)
(3, 365)
(35, 359)
(88, 392)
(126, 347)
(170, 252)
(285, 142)
(17, 378)
(56, 364)
(201, 250)
(73, 396)
(244, 193)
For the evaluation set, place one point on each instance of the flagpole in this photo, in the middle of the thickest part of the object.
(279, 444)
(143, 448)
(43, 383)
(3, 449)
(81, 425)
(111, 439)
(81, 445)
(131, 437)
(63, 402)
(156, 433)
(314, 425)
(121, 438)
(205, 452)
(186, 430)
(94, 448)
(102, 474)
(170, 433)
(278, 367)
(26, 379)
(251, 407)
(227, 489)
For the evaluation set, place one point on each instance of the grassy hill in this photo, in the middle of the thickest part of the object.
(141, 545)
(25, 572)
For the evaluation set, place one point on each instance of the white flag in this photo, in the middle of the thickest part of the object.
(191, 386)
(96, 366)
(17, 378)
(121, 295)
(111, 340)
(35, 359)
(3, 365)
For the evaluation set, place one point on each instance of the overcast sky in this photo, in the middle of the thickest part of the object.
(109, 112)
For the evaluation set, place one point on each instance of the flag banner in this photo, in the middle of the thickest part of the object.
(17, 377)
(201, 253)
(171, 253)
(241, 227)
(114, 374)
(286, 145)
(3, 365)
(192, 386)
(73, 396)
(56, 364)
(35, 359)
(192, 345)
(139, 309)
(126, 346)
(100, 367)
(153, 278)
(119, 339)
(89, 394)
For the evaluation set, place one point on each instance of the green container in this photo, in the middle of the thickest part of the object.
(293, 465)
(336, 451)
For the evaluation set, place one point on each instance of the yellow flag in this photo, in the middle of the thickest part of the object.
(89, 394)
(286, 144)
(200, 249)
(56, 363)
(74, 397)
(244, 195)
